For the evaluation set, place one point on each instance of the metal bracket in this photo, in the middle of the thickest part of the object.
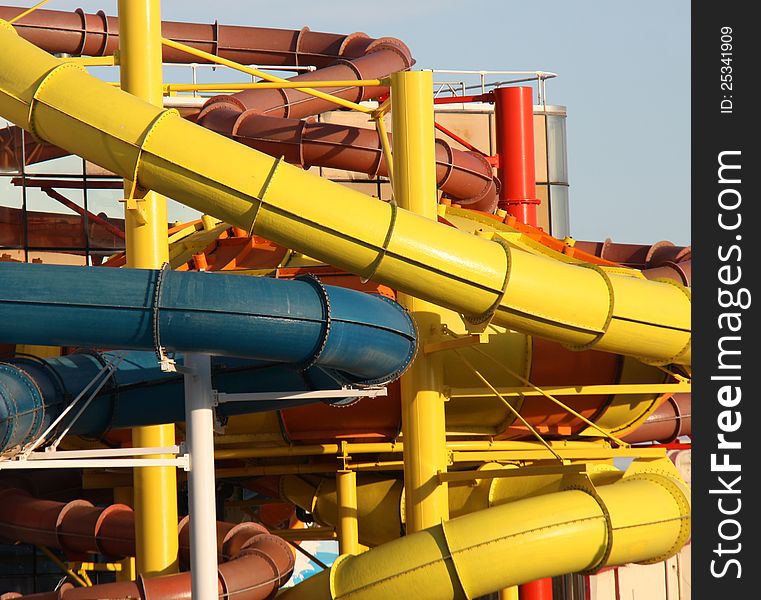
(100, 379)
(475, 475)
(220, 423)
(472, 339)
(102, 459)
(135, 206)
(344, 392)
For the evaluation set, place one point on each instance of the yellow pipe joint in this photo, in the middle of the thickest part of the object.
(140, 73)
(347, 526)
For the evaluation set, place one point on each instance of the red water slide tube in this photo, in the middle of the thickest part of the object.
(464, 176)
(670, 421)
(338, 57)
(253, 564)
(80, 34)
(659, 260)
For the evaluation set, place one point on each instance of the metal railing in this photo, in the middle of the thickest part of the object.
(470, 80)
(483, 81)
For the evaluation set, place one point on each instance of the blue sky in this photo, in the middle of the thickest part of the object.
(624, 76)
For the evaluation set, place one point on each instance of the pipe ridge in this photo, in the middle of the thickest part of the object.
(62, 521)
(40, 87)
(83, 16)
(245, 531)
(257, 553)
(298, 42)
(679, 268)
(584, 483)
(7, 398)
(102, 522)
(356, 38)
(448, 164)
(679, 494)
(658, 248)
(394, 45)
(603, 329)
(111, 388)
(350, 64)
(486, 174)
(413, 348)
(687, 347)
(451, 558)
(37, 407)
(106, 33)
(322, 292)
(489, 313)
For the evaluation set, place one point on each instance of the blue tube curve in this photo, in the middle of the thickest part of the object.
(360, 338)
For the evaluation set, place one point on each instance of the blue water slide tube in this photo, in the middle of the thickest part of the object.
(332, 335)
(34, 392)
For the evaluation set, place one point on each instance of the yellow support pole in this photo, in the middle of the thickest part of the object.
(39, 351)
(510, 593)
(347, 527)
(147, 248)
(423, 428)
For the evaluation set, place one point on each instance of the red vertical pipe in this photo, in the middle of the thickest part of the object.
(541, 589)
(514, 111)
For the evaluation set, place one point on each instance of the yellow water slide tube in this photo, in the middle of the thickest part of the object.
(580, 306)
(643, 517)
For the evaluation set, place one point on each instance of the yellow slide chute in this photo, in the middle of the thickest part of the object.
(577, 305)
(644, 517)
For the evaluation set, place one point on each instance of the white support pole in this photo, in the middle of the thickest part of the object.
(199, 419)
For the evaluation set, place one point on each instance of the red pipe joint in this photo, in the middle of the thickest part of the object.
(514, 111)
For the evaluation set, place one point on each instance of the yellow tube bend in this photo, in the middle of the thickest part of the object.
(642, 518)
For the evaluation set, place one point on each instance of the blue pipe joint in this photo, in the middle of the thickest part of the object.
(22, 408)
